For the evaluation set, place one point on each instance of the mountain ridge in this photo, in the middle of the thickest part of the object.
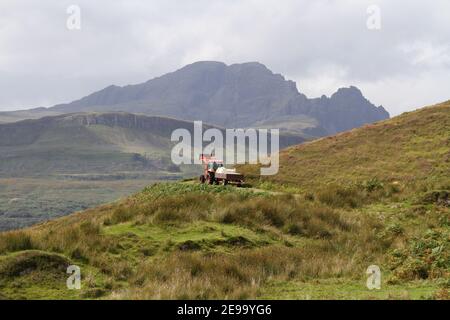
(236, 95)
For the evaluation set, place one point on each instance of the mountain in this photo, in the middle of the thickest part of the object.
(413, 148)
(374, 196)
(344, 110)
(238, 95)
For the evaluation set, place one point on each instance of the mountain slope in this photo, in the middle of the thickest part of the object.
(82, 143)
(14, 116)
(238, 95)
(86, 143)
(193, 241)
(413, 147)
(55, 165)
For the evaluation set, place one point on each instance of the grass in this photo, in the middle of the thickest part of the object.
(411, 150)
(348, 290)
(313, 238)
(34, 274)
(199, 235)
(54, 166)
(210, 242)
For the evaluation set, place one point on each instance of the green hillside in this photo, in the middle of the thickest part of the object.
(412, 149)
(189, 241)
(14, 116)
(93, 143)
(54, 166)
(86, 143)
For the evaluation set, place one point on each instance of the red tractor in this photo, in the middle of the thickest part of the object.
(214, 172)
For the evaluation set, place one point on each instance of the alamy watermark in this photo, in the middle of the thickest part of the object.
(74, 280)
(374, 19)
(74, 20)
(238, 146)
(374, 279)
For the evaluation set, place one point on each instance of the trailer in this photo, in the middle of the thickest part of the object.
(214, 172)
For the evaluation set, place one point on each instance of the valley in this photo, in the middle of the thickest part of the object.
(27, 201)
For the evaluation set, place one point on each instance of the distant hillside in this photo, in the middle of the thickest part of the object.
(14, 116)
(411, 148)
(56, 165)
(238, 95)
(86, 143)
(93, 143)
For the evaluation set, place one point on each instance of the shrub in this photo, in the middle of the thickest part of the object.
(372, 185)
(425, 257)
(394, 229)
(121, 214)
(294, 229)
(309, 196)
(440, 197)
(341, 197)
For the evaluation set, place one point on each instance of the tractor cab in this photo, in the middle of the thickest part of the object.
(213, 165)
(210, 165)
(214, 172)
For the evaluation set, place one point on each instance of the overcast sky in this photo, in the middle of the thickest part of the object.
(320, 44)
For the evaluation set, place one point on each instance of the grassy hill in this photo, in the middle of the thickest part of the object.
(14, 116)
(412, 149)
(56, 165)
(185, 240)
(86, 143)
(93, 143)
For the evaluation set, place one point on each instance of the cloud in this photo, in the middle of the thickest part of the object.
(322, 45)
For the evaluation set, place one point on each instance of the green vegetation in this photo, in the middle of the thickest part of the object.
(57, 165)
(409, 151)
(183, 240)
(294, 240)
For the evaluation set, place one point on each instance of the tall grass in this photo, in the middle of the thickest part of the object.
(314, 238)
(15, 241)
(239, 276)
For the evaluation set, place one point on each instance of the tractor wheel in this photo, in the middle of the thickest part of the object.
(211, 179)
(225, 182)
(202, 179)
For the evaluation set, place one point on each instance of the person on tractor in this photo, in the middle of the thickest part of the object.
(212, 167)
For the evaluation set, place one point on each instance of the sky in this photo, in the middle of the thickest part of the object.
(396, 52)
